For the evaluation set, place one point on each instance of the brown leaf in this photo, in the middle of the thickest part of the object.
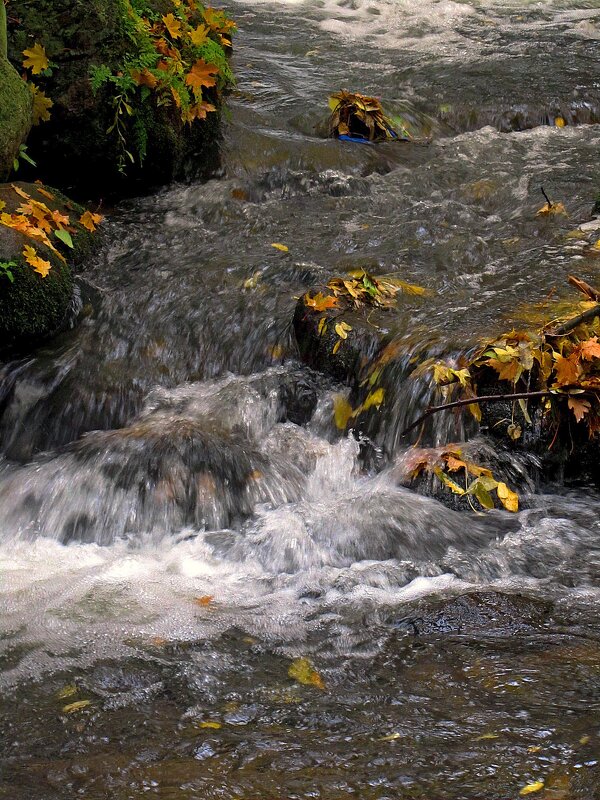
(579, 407)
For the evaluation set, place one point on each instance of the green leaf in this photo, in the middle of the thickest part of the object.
(65, 237)
(482, 494)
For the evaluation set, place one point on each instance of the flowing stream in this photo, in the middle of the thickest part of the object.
(180, 519)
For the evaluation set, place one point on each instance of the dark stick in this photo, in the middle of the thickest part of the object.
(572, 323)
(546, 196)
(488, 398)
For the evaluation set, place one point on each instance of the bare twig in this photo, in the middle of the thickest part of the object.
(550, 204)
(572, 323)
(488, 398)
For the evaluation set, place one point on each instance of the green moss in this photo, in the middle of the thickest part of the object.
(32, 307)
(15, 115)
(92, 47)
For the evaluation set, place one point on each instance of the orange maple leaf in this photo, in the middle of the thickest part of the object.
(320, 302)
(567, 370)
(590, 349)
(205, 600)
(201, 74)
(90, 221)
(144, 78)
(31, 257)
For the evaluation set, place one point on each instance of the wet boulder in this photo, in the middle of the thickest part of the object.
(16, 103)
(35, 301)
(104, 123)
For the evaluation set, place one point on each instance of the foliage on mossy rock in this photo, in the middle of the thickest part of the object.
(76, 148)
(15, 115)
(32, 307)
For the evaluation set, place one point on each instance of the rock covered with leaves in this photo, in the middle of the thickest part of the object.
(42, 235)
(122, 86)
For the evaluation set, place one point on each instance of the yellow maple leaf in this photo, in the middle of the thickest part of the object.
(278, 246)
(41, 105)
(36, 59)
(90, 221)
(508, 498)
(31, 257)
(549, 210)
(199, 35)
(302, 670)
(531, 788)
(173, 25)
(201, 74)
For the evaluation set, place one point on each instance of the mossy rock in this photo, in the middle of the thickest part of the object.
(32, 308)
(15, 115)
(75, 149)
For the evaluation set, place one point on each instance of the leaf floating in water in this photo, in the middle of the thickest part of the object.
(205, 600)
(302, 670)
(71, 708)
(390, 737)
(210, 724)
(486, 736)
(559, 122)
(67, 691)
(531, 788)
(282, 247)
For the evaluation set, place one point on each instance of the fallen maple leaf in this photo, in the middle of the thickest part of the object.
(590, 349)
(173, 25)
(201, 74)
(31, 257)
(278, 246)
(144, 78)
(199, 35)
(320, 302)
(205, 600)
(579, 407)
(567, 370)
(547, 210)
(36, 59)
(90, 220)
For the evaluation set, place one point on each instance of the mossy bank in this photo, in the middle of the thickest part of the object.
(123, 116)
(15, 115)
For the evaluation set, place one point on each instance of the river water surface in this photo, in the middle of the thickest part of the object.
(180, 520)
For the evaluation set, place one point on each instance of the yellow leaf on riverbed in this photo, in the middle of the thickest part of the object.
(77, 706)
(278, 246)
(551, 210)
(302, 670)
(531, 788)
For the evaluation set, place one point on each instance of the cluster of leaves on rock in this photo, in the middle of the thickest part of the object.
(357, 115)
(180, 64)
(358, 290)
(43, 226)
(478, 481)
(562, 367)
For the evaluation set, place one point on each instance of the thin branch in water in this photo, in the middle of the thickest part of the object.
(488, 398)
